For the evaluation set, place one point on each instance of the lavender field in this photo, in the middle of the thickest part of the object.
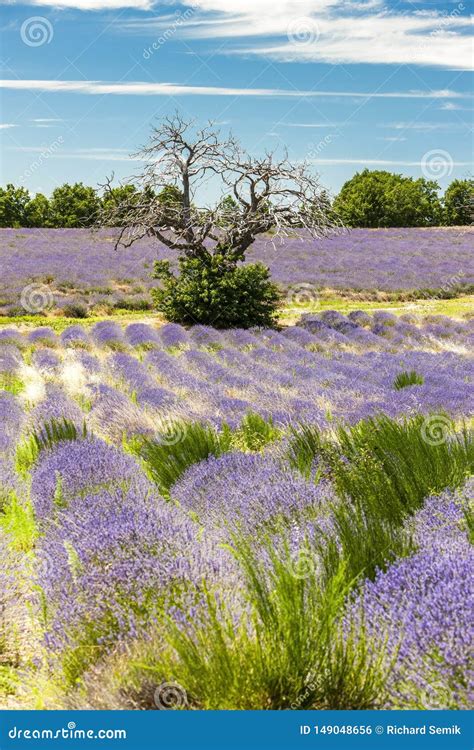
(194, 518)
(76, 265)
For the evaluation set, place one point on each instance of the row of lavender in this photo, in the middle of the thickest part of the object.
(109, 554)
(76, 265)
(330, 368)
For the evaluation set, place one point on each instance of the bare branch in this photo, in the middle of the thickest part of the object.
(270, 193)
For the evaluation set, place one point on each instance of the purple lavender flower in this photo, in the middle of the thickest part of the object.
(43, 335)
(46, 361)
(141, 335)
(240, 489)
(172, 335)
(74, 469)
(115, 559)
(75, 336)
(11, 420)
(55, 405)
(108, 333)
(423, 604)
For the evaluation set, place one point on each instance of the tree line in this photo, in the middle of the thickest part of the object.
(371, 198)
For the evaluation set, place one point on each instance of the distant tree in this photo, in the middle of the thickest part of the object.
(228, 208)
(74, 206)
(116, 197)
(13, 206)
(382, 199)
(459, 203)
(170, 200)
(38, 211)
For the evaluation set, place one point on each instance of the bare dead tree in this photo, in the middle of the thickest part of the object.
(270, 194)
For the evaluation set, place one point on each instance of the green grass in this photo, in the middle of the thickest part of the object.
(51, 432)
(255, 433)
(405, 379)
(382, 470)
(186, 443)
(182, 445)
(344, 302)
(287, 650)
(11, 383)
(18, 521)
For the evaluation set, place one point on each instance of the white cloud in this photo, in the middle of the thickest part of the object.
(384, 162)
(7, 125)
(143, 88)
(329, 31)
(426, 127)
(94, 154)
(311, 124)
(87, 5)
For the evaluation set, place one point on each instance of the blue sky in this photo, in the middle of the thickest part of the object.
(343, 84)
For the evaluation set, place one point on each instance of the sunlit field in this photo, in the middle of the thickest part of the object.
(195, 518)
(76, 272)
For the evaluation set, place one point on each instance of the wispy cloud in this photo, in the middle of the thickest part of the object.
(88, 5)
(452, 107)
(94, 154)
(143, 88)
(384, 162)
(7, 125)
(426, 127)
(332, 31)
(322, 125)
